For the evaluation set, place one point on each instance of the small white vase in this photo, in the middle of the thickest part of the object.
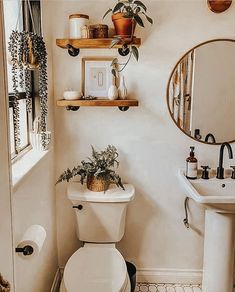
(113, 92)
(122, 90)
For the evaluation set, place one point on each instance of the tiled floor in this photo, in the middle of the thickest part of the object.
(146, 287)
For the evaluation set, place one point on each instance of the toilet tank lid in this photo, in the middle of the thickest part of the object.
(78, 192)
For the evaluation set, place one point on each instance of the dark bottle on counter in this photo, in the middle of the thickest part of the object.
(191, 165)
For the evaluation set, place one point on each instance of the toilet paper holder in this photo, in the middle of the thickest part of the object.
(26, 250)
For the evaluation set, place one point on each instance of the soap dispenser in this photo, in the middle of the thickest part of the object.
(191, 165)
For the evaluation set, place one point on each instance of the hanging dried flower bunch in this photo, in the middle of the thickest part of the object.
(28, 52)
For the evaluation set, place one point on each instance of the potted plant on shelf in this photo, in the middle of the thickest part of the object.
(125, 15)
(98, 171)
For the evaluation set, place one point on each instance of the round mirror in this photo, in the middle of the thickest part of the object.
(201, 92)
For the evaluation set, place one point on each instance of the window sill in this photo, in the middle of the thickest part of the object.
(22, 167)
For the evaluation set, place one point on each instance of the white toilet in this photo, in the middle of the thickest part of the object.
(98, 266)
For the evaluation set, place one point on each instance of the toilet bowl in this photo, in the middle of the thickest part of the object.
(98, 266)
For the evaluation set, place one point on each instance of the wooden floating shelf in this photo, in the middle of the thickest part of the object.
(98, 102)
(94, 43)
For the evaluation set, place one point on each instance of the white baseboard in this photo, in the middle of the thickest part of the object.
(167, 276)
(164, 276)
(56, 283)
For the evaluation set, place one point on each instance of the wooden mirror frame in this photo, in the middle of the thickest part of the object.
(168, 88)
(219, 6)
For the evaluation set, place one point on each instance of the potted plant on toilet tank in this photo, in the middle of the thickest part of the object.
(98, 170)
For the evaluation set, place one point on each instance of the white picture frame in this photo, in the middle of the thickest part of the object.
(97, 77)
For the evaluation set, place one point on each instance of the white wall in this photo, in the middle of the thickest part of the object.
(151, 147)
(33, 202)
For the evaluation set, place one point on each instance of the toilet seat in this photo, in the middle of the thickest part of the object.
(96, 267)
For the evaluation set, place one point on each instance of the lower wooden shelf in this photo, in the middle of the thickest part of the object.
(98, 102)
(94, 43)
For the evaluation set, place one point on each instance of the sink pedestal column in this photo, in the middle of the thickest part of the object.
(218, 252)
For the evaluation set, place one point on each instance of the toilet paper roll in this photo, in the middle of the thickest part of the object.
(34, 236)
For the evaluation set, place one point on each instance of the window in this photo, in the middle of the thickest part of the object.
(17, 16)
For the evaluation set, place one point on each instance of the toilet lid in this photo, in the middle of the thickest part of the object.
(99, 269)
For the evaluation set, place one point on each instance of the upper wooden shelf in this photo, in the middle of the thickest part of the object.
(94, 43)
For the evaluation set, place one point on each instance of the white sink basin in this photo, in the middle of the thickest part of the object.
(218, 196)
(213, 193)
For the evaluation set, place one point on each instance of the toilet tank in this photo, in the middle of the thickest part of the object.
(100, 216)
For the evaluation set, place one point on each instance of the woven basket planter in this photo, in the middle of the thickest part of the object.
(97, 184)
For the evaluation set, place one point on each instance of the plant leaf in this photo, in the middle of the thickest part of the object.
(107, 12)
(118, 6)
(139, 20)
(148, 18)
(138, 9)
(114, 73)
(135, 52)
(115, 41)
(114, 62)
(141, 4)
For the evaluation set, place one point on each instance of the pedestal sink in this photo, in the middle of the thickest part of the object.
(218, 197)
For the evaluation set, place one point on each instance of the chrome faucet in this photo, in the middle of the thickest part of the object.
(220, 169)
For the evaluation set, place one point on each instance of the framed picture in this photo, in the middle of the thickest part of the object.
(97, 77)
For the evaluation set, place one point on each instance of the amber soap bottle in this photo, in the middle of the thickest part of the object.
(191, 165)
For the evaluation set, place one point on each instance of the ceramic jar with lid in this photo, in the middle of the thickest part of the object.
(76, 22)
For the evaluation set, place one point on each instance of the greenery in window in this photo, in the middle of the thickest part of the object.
(28, 52)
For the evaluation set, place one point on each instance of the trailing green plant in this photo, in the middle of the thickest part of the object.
(118, 67)
(23, 46)
(101, 164)
(134, 10)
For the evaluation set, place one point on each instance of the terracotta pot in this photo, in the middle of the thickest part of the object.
(97, 184)
(124, 27)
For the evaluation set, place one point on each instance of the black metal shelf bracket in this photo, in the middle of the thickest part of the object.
(72, 51)
(124, 50)
(72, 108)
(123, 108)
